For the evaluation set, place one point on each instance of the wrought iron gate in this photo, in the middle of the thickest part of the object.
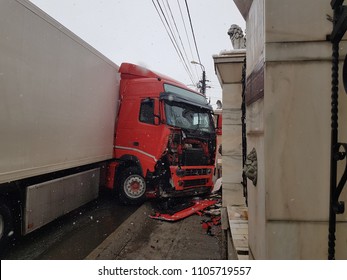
(244, 135)
(338, 150)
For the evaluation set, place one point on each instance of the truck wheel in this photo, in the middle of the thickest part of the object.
(6, 226)
(132, 187)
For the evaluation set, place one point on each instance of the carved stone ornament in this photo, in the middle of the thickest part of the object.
(251, 167)
(238, 40)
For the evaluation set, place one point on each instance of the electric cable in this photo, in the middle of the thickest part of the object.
(179, 36)
(186, 32)
(192, 29)
(171, 37)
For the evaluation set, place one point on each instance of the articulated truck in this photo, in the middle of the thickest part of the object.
(72, 121)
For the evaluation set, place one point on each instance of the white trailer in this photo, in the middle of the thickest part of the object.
(58, 104)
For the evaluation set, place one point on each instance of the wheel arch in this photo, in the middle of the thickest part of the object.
(130, 161)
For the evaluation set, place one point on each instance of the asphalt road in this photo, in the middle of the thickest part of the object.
(75, 235)
(144, 238)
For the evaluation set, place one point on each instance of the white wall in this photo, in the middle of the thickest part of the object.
(290, 129)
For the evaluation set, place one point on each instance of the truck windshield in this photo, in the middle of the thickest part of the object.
(188, 117)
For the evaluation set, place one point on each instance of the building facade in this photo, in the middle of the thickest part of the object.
(288, 117)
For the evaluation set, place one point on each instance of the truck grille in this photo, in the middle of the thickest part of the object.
(196, 172)
(194, 183)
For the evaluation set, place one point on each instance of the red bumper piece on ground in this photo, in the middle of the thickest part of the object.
(195, 209)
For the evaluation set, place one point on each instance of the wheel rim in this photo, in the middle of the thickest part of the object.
(134, 186)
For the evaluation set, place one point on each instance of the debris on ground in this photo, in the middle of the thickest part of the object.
(217, 185)
(175, 209)
(188, 209)
(209, 224)
(212, 217)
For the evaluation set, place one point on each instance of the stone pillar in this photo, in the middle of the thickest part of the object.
(228, 67)
(288, 123)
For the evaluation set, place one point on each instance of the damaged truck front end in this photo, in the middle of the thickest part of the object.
(165, 139)
(190, 154)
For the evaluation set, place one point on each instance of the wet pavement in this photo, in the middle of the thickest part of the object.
(143, 238)
(75, 235)
(107, 230)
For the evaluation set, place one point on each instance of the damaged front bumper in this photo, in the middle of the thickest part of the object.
(185, 177)
(198, 191)
(193, 180)
(186, 181)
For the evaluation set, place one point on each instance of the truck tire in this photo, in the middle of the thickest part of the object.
(132, 189)
(6, 226)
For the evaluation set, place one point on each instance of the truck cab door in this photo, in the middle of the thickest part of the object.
(150, 132)
(140, 132)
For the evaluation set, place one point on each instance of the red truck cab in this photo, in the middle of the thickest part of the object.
(165, 139)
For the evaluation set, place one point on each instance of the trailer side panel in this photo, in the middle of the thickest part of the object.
(58, 96)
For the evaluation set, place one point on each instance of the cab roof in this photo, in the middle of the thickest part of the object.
(133, 71)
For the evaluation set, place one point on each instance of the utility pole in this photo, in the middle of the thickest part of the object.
(203, 80)
(203, 83)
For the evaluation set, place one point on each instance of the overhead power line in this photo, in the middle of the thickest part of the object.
(172, 37)
(179, 36)
(167, 18)
(191, 26)
(185, 29)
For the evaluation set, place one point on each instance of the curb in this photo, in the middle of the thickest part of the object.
(112, 246)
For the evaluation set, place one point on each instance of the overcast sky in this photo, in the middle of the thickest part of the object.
(132, 31)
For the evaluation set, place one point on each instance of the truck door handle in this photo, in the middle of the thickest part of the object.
(136, 143)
